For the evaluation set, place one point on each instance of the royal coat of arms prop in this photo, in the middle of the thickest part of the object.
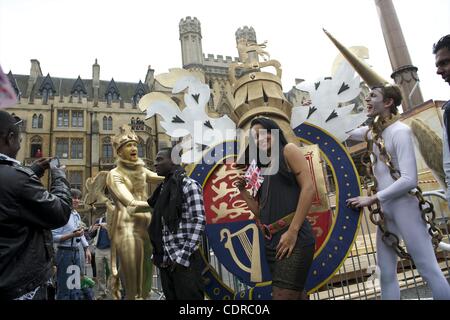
(231, 231)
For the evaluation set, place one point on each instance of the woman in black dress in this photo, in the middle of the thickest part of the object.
(280, 207)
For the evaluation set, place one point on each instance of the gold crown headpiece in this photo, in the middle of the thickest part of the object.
(124, 136)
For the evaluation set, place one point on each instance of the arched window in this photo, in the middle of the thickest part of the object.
(141, 148)
(149, 148)
(109, 98)
(112, 93)
(34, 122)
(47, 89)
(36, 147)
(78, 90)
(141, 151)
(107, 151)
(44, 96)
(107, 123)
(138, 93)
(40, 121)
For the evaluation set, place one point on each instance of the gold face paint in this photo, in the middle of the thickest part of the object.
(129, 151)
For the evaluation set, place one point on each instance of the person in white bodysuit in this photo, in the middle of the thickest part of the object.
(401, 210)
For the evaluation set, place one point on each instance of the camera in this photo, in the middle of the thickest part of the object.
(54, 163)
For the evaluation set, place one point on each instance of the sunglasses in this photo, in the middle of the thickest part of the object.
(18, 120)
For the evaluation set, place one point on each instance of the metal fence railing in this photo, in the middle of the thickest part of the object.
(357, 277)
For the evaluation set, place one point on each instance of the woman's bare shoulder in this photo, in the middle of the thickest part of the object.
(291, 149)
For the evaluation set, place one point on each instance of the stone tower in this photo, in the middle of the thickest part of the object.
(191, 43)
(404, 73)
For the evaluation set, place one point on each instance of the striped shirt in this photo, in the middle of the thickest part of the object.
(179, 246)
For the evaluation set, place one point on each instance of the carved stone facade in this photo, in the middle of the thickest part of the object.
(75, 119)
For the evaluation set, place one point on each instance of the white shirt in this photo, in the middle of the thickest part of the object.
(72, 225)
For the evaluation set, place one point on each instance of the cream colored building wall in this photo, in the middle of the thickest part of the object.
(121, 116)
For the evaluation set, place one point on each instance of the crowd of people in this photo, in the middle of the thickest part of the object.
(36, 222)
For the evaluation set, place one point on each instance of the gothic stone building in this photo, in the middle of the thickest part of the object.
(76, 118)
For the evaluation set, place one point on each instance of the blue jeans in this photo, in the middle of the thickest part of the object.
(64, 259)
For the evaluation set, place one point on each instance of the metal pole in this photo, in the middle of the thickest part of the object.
(90, 144)
(50, 151)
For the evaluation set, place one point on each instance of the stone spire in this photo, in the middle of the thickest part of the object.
(96, 82)
(404, 73)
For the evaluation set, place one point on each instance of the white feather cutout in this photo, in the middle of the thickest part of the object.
(326, 94)
(198, 130)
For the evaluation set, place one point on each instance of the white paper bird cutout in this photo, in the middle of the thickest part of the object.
(198, 130)
(326, 94)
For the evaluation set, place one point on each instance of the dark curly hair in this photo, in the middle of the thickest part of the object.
(443, 42)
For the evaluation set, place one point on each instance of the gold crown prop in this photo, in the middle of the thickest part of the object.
(258, 93)
(124, 136)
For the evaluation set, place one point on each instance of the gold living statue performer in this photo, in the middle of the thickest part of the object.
(130, 218)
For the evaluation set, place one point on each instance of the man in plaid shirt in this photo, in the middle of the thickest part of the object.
(176, 230)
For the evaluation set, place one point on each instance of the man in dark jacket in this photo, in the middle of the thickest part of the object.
(176, 230)
(27, 213)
